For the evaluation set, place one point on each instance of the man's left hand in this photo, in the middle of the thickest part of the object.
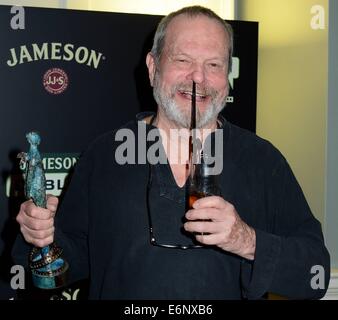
(222, 226)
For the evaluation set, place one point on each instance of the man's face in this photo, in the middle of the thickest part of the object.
(196, 49)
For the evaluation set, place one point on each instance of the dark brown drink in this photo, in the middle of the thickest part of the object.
(192, 198)
(195, 196)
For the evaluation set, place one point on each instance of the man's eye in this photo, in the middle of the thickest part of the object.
(182, 63)
(214, 65)
(182, 60)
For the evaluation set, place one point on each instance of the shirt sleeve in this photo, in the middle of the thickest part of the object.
(287, 253)
(71, 222)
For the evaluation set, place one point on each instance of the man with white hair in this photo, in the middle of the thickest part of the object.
(125, 226)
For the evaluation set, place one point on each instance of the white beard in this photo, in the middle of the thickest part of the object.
(175, 114)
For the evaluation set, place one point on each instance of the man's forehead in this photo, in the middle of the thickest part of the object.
(184, 29)
(184, 19)
(184, 24)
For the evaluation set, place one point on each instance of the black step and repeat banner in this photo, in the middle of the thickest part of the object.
(72, 75)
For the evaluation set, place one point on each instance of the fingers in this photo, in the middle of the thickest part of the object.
(224, 227)
(206, 232)
(219, 218)
(212, 202)
(208, 239)
(37, 224)
(40, 243)
(38, 234)
(207, 226)
(52, 202)
(29, 209)
(203, 214)
(200, 227)
(214, 208)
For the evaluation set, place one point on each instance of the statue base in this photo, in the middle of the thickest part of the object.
(49, 270)
(50, 280)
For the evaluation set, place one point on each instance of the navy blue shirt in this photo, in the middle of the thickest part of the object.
(103, 227)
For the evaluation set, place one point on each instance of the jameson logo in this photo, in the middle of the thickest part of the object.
(54, 51)
(55, 80)
(57, 167)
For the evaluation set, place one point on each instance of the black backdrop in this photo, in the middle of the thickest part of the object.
(96, 99)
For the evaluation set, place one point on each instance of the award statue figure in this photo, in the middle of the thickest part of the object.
(47, 266)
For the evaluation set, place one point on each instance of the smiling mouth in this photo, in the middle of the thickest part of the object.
(188, 95)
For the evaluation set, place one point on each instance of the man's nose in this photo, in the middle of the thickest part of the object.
(197, 73)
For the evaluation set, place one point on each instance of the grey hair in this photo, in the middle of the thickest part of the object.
(192, 11)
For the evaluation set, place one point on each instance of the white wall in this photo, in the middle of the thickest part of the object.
(292, 88)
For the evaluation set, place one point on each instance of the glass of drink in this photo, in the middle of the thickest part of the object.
(202, 182)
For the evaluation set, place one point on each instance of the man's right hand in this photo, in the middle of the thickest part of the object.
(37, 224)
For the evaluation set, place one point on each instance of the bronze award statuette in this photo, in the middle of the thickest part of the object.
(47, 266)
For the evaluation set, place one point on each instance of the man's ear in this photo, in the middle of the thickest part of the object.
(150, 61)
